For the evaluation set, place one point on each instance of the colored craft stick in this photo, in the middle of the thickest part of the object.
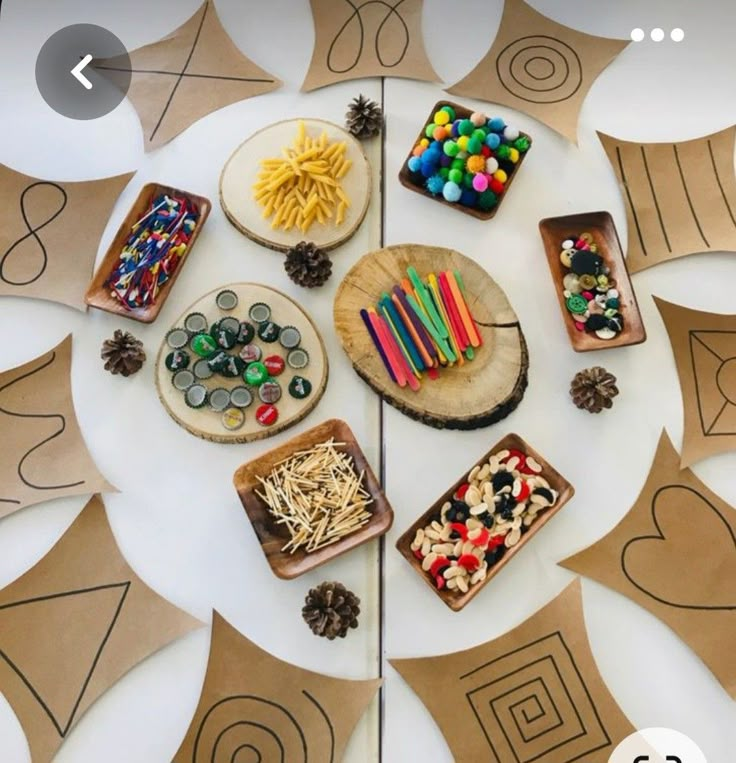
(452, 311)
(443, 348)
(392, 352)
(441, 310)
(377, 343)
(467, 318)
(447, 317)
(415, 338)
(425, 298)
(406, 341)
(419, 329)
(390, 340)
(410, 368)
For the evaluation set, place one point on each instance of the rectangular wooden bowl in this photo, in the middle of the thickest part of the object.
(461, 112)
(554, 230)
(456, 600)
(273, 537)
(98, 293)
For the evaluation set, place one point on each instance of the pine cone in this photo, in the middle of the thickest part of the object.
(593, 389)
(123, 354)
(307, 265)
(364, 118)
(331, 610)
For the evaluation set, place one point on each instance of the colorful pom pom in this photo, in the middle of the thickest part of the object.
(503, 151)
(468, 197)
(429, 129)
(439, 133)
(511, 134)
(493, 141)
(457, 164)
(424, 142)
(491, 164)
(435, 184)
(445, 160)
(451, 148)
(487, 200)
(514, 155)
(466, 127)
(501, 176)
(456, 176)
(522, 144)
(442, 118)
(496, 186)
(450, 112)
(496, 124)
(475, 164)
(415, 164)
(444, 172)
(480, 183)
(451, 192)
(462, 142)
(478, 119)
(474, 146)
(419, 150)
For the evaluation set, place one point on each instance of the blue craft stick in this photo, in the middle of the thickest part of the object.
(411, 348)
(397, 338)
(445, 348)
(377, 343)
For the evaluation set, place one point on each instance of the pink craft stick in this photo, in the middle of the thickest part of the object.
(396, 366)
(388, 339)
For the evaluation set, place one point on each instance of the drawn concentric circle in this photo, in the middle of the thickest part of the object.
(540, 69)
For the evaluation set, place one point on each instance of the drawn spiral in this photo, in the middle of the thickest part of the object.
(540, 69)
(250, 729)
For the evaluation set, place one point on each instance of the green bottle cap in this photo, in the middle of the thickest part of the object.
(256, 374)
(204, 345)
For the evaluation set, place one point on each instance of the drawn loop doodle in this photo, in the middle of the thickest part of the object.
(391, 39)
(17, 249)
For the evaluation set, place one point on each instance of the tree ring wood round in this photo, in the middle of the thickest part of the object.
(205, 422)
(475, 395)
(241, 170)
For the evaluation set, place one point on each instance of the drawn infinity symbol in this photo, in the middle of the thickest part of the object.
(33, 233)
(357, 14)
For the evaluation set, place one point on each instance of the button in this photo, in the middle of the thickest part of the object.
(83, 71)
(572, 283)
(566, 257)
(586, 263)
(576, 304)
(587, 281)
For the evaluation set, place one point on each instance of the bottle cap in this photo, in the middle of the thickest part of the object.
(219, 399)
(227, 300)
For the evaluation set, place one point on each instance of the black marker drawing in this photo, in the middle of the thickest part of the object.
(357, 16)
(62, 427)
(62, 725)
(534, 688)
(725, 381)
(32, 233)
(660, 537)
(263, 726)
(540, 69)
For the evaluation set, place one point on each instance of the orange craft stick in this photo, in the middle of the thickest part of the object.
(388, 337)
(426, 357)
(467, 318)
(434, 289)
(390, 351)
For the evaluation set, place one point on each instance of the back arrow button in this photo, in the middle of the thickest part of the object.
(76, 72)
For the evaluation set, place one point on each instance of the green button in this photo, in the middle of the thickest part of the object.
(577, 304)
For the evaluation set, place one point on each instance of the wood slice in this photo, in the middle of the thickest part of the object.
(477, 394)
(241, 171)
(206, 423)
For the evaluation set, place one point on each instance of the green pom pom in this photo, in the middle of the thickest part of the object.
(468, 180)
(466, 127)
(457, 164)
(429, 130)
(456, 176)
(479, 134)
(474, 146)
(450, 111)
(503, 151)
(444, 172)
(521, 144)
(451, 148)
(487, 200)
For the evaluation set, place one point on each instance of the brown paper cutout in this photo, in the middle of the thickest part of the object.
(680, 197)
(50, 232)
(273, 711)
(704, 346)
(72, 626)
(674, 553)
(195, 70)
(533, 694)
(540, 67)
(367, 38)
(43, 455)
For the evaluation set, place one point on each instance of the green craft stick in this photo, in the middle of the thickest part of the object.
(424, 294)
(445, 348)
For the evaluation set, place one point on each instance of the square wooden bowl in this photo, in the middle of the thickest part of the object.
(456, 600)
(461, 112)
(554, 231)
(98, 293)
(273, 537)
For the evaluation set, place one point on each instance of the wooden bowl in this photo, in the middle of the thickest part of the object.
(456, 600)
(471, 396)
(461, 112)
(273, 537)
(554, 230)
(98, 293)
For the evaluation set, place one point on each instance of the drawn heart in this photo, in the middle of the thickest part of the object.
(691, 562)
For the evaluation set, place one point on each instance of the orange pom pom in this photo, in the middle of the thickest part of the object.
(476, 163)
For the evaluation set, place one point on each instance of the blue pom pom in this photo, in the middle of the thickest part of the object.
(428, 169)
(451, 191)
(493, 141)
(435, 184)
(496, 124)
(455, 131)
(415, 163)
(435, 145)
(469, 197)
(445, 160)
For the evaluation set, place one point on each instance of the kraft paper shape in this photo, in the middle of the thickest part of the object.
(50, 232)
(680, 198)
(534, 694)
(674, 554)
(704, 345)
(43, 455)
(367, 38)
(540, 67)
(255, 707)
(72, 626)
(194, 71)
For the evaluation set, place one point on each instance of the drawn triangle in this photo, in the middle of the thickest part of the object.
(721, 343)
(725, 422)
(706, 363)
(53, 644)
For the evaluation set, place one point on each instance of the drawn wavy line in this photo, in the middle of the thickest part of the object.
(53, 436)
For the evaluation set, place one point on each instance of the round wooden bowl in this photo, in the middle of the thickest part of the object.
(241, 171)
(206, 423)
(471, 396)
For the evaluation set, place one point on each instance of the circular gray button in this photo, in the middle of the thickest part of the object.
(83, 71)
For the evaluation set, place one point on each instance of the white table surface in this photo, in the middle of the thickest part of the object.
(177, 519)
